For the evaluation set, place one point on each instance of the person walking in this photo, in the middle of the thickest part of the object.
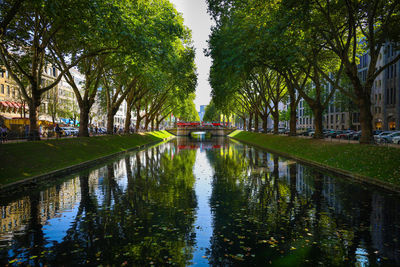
(4, 133)
(58, 131)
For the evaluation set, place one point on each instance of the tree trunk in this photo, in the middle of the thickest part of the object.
(146, 124)
(110, 122)
(137, 126)
(250, 122)
(158, 125)
(265, 123)
(366, 120)
(128, 121)
(317, 111)
(275, 115)
(244, 123)
(293, 113)
(152, 124)
(33, 127)
(84, 120)
(256, 122)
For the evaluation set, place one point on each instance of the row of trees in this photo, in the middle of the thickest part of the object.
(132, 50)
(263, 51)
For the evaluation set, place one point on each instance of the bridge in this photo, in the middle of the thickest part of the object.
(214, 131)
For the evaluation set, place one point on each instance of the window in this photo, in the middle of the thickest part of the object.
(8, 90)
(13, 92)
(391, 96)
(380, 97)
(54, 71)
(2, 73)
(2, 88)
(394, 95)
(387, 96)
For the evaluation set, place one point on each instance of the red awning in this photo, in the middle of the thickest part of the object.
(12, 104)
(4, 103)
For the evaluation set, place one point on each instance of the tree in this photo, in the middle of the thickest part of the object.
(211, 113)
(350, 29)
(28, 41)
(54, 104)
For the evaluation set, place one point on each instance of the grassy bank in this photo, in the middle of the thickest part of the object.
(23, 160)
(381, 163)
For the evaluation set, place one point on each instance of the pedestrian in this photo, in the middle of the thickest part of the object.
(115, 129)
(26, 131)
(96, 129)
(4, 132)
(58, 131)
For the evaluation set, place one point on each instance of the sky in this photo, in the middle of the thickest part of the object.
(195, 15)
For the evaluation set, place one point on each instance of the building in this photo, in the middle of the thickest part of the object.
(342, 114)
(202, 111)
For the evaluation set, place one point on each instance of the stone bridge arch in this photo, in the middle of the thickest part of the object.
(186, 131)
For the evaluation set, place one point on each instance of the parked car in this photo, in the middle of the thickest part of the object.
(346, 134)
(336, 134)
(281, 130)
(389, 138)
(329, 133)
(73, 131)
(396, 140)
(378, 138)
(356, 135)
(65, 131)
(376, 132)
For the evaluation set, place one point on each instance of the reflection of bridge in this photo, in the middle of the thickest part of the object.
(214, 131)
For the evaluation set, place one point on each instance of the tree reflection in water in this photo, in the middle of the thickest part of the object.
(270, 211)
(140, 210)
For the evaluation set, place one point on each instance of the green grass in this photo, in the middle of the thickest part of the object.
(379, 162)
(27, 159)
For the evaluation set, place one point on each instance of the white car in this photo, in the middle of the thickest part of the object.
(73, 131)
(396, 140)
(378, 138)
(65, 131)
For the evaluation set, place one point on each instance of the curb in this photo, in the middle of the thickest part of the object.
(343, 173)
(33, 181)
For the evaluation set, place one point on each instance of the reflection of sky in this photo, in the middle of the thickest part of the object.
(203, 173)
(362, 257)
(56, 228)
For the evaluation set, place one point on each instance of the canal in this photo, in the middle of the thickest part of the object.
(212, 202)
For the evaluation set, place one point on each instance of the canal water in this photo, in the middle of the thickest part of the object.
(203, 202)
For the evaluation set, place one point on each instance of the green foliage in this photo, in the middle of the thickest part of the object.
(211, 113)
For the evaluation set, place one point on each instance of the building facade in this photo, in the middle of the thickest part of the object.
(342, 114)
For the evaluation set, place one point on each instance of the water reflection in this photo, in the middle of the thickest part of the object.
(212, 202)
(281, 213)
